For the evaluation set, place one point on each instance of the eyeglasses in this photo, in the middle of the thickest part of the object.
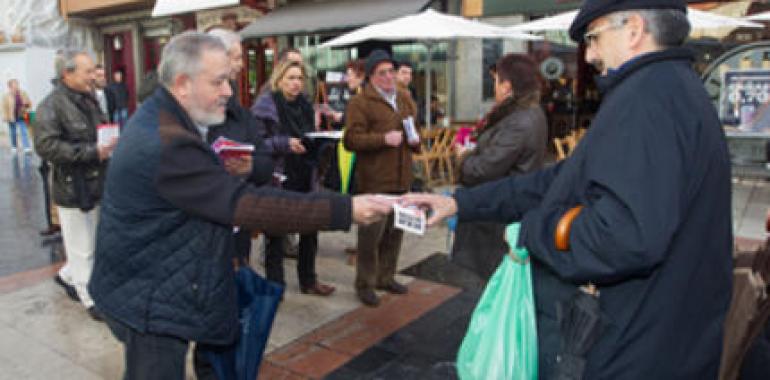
(591, 37)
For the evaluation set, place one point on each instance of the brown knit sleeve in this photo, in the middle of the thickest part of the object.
(279, 212)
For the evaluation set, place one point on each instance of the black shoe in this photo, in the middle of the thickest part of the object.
(368, 297)
(69, 289)
(394, 288)
(95, 314)
(51, 230)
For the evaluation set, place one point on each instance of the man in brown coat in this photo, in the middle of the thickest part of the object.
(375, 131)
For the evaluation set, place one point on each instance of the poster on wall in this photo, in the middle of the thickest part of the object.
(745, 100)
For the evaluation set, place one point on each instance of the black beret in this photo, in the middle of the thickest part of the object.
(593, 9)
(374, 58)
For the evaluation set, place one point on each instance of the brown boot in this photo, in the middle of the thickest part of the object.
(318, 289)
(368, 297)
(394, 287)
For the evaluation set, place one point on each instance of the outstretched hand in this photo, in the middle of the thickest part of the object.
(368, 209)
(442, 206)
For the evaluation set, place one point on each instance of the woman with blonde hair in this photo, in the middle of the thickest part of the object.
(284, 115)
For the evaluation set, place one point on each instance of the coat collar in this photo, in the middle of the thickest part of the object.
(608, 82)
(168, 103)
(370, 92)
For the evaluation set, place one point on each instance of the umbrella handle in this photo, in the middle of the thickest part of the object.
(561, 237)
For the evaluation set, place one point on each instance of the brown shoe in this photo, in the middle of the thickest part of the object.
(318, 289)
(394, 288)
(368, 297)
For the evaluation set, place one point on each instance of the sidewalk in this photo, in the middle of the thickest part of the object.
(45, 335)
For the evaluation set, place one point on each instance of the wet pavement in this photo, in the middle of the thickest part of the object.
(426, 348)
(45, 335)
(22, 215)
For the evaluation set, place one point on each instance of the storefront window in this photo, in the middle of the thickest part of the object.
(492, 50)
(321, 61)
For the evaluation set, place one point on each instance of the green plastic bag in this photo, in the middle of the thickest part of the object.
(501, 341)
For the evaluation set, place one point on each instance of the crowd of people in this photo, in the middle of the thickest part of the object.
(154, 222)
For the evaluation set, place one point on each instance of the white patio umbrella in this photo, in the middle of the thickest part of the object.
(764, 16)
(428, 27)
(698, 20)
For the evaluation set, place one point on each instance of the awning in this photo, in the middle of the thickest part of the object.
(311, 17)
(508, 7)
(172, 7)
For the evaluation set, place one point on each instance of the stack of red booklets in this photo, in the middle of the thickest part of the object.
(227, 149)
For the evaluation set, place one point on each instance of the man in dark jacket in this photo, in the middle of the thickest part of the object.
(654, 233)
(119, 95)
(65, 136)
(163, 275)
(374, 130)
(241, 126)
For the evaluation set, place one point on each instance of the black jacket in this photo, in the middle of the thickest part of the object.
(65, 136)
(655, 233)
(164, 242)
(241, 126)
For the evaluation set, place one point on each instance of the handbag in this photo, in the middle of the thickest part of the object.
(258, 301)
(501, 341)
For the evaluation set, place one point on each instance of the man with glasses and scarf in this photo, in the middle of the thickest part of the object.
(641, 209)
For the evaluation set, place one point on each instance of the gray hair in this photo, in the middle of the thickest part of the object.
(182, 55)
(228, 37)
(66, 60)
(668, 27)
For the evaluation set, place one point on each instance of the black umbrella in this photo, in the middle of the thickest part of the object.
(580, 326)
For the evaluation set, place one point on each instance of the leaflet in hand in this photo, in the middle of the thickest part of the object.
(227, 149)
(411, 131)
(105, 133)
(334, 135)
(409, 219)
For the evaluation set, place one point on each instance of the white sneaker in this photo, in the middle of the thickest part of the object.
(13, 150)
(27, 150)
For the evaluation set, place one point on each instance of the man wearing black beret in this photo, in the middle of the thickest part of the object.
(641, 208)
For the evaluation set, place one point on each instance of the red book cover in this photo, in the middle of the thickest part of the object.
(228, 149)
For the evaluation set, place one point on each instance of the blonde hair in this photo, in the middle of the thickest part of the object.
(280, 71)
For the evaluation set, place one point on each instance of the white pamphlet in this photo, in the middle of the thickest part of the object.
(106, 132)
(411, 131)
(409, 219)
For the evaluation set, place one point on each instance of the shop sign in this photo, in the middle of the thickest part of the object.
(234, 18)
(745, 100)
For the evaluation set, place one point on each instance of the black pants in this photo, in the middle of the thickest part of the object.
(274, 252)
(156, 357)
(243, 245)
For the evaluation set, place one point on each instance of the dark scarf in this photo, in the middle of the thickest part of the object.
(296, 116)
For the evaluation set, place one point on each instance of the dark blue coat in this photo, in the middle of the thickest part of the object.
(164, 241)
(655, 234)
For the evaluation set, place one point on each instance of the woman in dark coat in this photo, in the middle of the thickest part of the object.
(512, 141)
(284, 116)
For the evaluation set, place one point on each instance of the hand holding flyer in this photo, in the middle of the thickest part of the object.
(106, 134)
(411, 131)
(409, 219)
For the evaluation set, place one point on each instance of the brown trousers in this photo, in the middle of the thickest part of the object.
(378, 247)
